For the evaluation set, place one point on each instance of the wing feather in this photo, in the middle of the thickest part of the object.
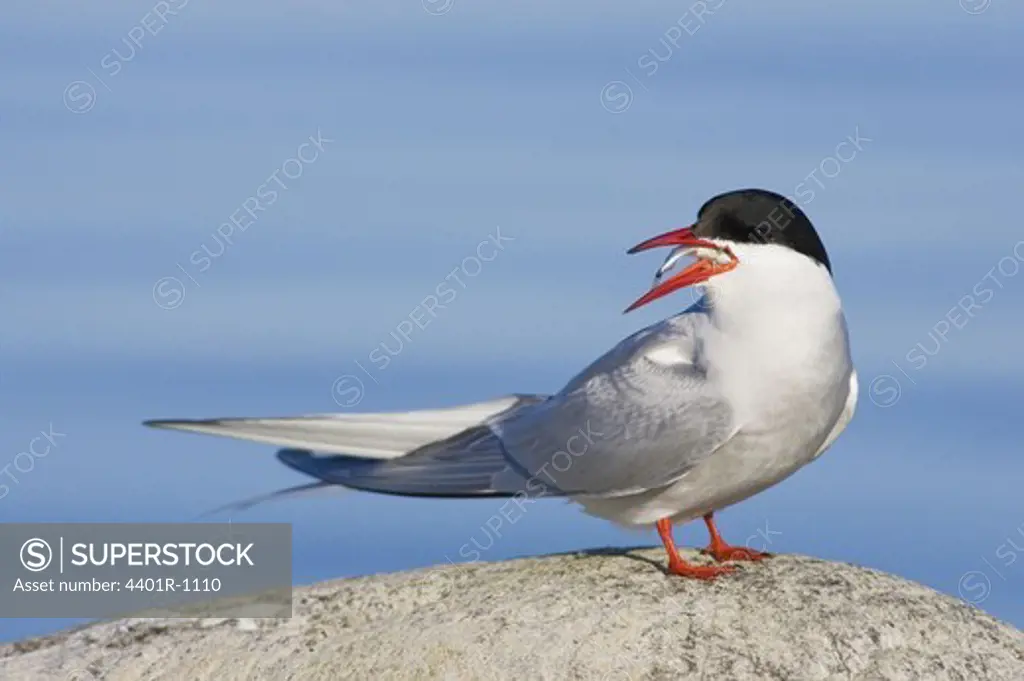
(470, 464)
(637, 419)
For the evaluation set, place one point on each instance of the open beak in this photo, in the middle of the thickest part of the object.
(701, 270)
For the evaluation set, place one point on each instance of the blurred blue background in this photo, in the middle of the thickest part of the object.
(128, 135)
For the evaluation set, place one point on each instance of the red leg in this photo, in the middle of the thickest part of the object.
(721, 551)
(678, 566)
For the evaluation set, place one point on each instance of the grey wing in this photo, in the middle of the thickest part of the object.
(470, 463)
(637, 419)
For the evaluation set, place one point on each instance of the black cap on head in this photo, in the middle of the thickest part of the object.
(761, 217)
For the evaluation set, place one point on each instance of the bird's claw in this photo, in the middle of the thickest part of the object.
(705, 573)
(724, 552)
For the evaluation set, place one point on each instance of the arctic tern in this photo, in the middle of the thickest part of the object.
(683, 418)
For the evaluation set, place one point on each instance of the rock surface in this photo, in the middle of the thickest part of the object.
(600, 615)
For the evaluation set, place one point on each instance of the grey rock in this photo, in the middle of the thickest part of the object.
(600, 615)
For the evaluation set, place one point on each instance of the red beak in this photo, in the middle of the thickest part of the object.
(702, 270)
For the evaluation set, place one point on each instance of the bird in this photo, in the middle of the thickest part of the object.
(676, 422)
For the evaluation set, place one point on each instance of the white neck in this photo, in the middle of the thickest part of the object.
(772, 287)
(779, 324)
(778, 316)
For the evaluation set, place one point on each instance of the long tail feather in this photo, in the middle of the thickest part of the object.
(375, 436)
(436, 453)
(308, 490)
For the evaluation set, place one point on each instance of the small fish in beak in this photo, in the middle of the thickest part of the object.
(720, 259)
